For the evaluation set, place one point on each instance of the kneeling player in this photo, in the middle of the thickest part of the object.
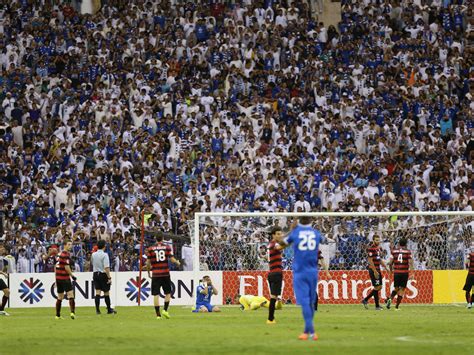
(252, 303)
(469, 280)
(401, 263)
(203, 296)
(63, 280)
(3, 286)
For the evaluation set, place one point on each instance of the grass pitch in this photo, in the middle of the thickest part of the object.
(342, 330)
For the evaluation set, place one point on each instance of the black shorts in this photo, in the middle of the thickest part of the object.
(375, 281)
(275, 280)
(160, 282)
(400, 280)
(63, 286)
(3, 285)
(101, 282)
(469, 282)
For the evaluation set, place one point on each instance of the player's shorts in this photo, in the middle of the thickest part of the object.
(3, 285)
(160, 282)
(375, 281)
(208, 306)
(305, 287)
(275, 280)
(101, 282)
(469, 282)
(400, 280)
(63, 286)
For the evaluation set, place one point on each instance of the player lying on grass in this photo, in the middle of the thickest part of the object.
(401, 263)
(3, 286)
(252, 303)
(204, 292)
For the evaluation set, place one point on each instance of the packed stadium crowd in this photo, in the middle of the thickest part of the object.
(175, 107)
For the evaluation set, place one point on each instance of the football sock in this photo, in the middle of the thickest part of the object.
(399, 300)
(376, 298)
(72, 305)
(58, 308)
(472, 298)
(271, 309)
(97, 303)
(393, 294)
(308, 313)
(316, 302)
(4, 303)
(167, 304)
(468, 296)
(369, 295)
(157, 310)
(107, 301)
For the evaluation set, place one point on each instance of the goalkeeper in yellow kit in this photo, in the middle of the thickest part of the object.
(252, 303)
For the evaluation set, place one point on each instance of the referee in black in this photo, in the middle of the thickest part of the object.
(102, 280)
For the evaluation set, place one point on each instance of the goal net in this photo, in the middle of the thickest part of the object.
(236, 245)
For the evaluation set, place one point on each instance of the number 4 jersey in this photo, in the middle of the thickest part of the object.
(305, 240)
(158, 255)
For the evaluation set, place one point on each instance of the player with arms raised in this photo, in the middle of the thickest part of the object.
(374, 261)
(401, 263)
(159, 272)
(64, 274)
(305, 241)
(275, 276)
(469, 280)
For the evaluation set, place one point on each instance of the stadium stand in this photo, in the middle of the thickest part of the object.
(174, 107)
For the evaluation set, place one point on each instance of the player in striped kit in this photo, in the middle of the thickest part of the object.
(275, 276)
(401, 263)
(64, 275)
(374, 261)
(159, 272)
(469, 280)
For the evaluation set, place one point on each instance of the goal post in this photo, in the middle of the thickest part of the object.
(235, 244)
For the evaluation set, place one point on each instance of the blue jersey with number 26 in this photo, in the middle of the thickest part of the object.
(305, 241)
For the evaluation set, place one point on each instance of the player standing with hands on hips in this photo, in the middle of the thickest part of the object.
(102, 279)
(305, 241)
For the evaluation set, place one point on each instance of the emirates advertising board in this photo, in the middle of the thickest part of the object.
(344, 287)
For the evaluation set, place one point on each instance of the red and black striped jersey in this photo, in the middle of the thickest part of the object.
(63, 259)
(374, 252)
(471, 263)
(401, 261)
(158, 255)
(274, 258)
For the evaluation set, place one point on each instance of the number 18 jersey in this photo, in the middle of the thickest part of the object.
(158, 255)
(305, 241)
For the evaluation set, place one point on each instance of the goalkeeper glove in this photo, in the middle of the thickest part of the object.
(74, 278)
